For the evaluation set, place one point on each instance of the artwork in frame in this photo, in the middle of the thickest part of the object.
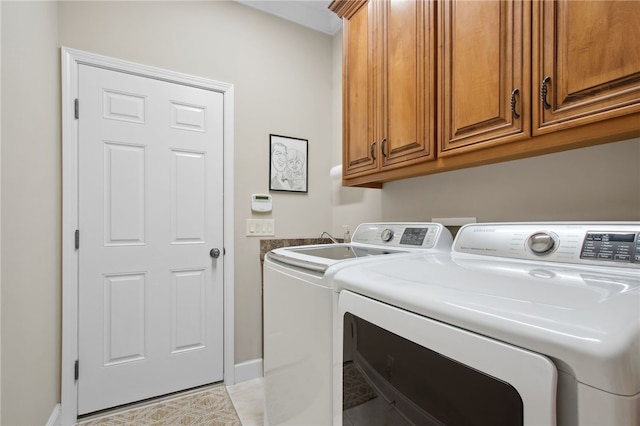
(288, 169)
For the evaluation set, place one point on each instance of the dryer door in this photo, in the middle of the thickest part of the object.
(439, 374)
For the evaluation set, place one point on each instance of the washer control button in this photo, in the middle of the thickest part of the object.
(541, 243)
(387, 235)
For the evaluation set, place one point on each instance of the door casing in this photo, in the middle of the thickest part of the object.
(71, 59)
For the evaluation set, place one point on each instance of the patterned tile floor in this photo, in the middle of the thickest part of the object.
(242, 405)
(237, 405)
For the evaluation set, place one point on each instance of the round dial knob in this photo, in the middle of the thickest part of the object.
(386, 235)
(541, 242)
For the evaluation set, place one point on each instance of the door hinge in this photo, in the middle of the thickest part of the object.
(77, 239)
(77, 108)
(76, 370)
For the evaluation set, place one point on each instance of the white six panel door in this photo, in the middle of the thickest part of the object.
(150, 210)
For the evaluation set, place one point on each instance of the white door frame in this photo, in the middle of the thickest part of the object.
(71, 59)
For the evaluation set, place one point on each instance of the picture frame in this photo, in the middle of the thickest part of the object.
(288, 164)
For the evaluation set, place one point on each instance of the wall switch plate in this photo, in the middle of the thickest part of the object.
(261, 227)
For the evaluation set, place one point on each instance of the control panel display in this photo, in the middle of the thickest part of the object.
(611, 246)
(413, 236)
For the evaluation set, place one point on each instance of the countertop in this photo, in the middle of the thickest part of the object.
(267, 245)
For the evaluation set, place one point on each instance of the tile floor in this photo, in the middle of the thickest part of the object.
(248, 399)
(241, 404)
(236, 405)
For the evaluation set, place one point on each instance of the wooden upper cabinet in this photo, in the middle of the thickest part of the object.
(587, 53)
(439, 85)
(484, 74)
(359, 92)
(407, 126)
(388, 84)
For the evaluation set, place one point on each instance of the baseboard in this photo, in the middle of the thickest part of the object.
(54, 418)
(248, 370)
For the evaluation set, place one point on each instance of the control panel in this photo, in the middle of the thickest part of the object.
(261, 203)
(612, 246)
(596, 243)
(417, 235)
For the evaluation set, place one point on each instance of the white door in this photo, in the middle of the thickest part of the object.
(150, 315)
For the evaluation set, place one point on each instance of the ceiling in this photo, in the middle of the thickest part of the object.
(314, 14)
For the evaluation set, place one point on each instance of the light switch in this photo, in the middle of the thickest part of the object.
(261, 227)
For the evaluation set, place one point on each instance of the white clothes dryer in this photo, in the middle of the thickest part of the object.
(299, 314)
(520, 324)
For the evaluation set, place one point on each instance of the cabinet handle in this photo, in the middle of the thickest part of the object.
(543, 92)
(373, 150)
(513, 103)
(383, 146)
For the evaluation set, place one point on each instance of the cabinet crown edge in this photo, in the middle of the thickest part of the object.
(346, 8)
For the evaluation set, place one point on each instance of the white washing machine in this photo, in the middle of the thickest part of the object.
(521, 323)
(299, 308)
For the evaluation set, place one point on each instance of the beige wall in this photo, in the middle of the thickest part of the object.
(282, 77)
(31, 203)
(596, 183)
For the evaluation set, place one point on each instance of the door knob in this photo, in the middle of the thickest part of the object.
(215, 253)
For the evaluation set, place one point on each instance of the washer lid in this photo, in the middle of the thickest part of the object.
(320, 257)
(369, 239)
(587, 319)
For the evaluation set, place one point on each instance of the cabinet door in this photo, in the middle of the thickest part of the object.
(407, 125)
(588, 54)
(359, 93)
(484, 73)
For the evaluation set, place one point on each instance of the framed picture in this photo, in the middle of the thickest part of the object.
(288, 169)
